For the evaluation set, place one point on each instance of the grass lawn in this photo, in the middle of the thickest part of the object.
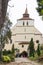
(34, 58)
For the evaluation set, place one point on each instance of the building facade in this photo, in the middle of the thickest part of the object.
(22, 33)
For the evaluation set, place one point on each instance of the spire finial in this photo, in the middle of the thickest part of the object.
(26, 11)
(26, 5)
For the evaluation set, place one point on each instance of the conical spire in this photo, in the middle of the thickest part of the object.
(26, 11)
(25, 15)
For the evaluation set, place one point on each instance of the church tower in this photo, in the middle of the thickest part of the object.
(26, 20)
(23, 31)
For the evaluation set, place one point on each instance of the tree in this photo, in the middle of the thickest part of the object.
(38, 50)
(31, 48)
(41, 46)
(13, 49)
(40, 8)
(5, 35)
(6, 32)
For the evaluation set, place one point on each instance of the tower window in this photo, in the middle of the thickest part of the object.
(23, 23)
(27, 23)
(22, 46)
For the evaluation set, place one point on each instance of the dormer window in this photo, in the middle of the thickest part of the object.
(23, 23)
(27, 23)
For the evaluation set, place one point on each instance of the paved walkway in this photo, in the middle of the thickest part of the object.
(23, 61)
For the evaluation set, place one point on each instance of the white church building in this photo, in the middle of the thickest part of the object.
(22, 33)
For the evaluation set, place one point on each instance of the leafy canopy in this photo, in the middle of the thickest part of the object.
(40, 8)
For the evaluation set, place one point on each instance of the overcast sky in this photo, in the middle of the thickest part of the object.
(19, 8)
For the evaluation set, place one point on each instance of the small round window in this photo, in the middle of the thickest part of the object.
(22, 46)
(37, 41)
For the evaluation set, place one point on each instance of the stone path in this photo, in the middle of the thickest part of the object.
(25, 61)
(22, 61)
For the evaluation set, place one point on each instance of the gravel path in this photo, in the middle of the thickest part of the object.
(22, 61)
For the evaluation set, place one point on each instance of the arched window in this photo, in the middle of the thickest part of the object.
(27, 23)
(23, 23)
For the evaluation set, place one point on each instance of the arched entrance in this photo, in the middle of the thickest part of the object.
(23, 49)
(24, 54)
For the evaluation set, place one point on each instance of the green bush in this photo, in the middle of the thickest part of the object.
(11, 57)
(33, 58)
(6, 52)
(31, 48)
(38, 50)
(41, 47)
(41, 52)
(6, 59)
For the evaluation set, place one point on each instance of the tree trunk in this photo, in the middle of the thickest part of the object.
(0, 46)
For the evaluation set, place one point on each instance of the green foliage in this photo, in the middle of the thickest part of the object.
(33, 58)
(36, 57)
(6, 52)
(38, 0)
(12, 57)
(41, 47)
(6, 35)
(38, 50)
(41, 52)
(13, 49)
(10, 54)
(41, 12)
(40, 7)
(6, 59)
(31, 48)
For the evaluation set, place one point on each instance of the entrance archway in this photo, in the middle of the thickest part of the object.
(24, 54)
